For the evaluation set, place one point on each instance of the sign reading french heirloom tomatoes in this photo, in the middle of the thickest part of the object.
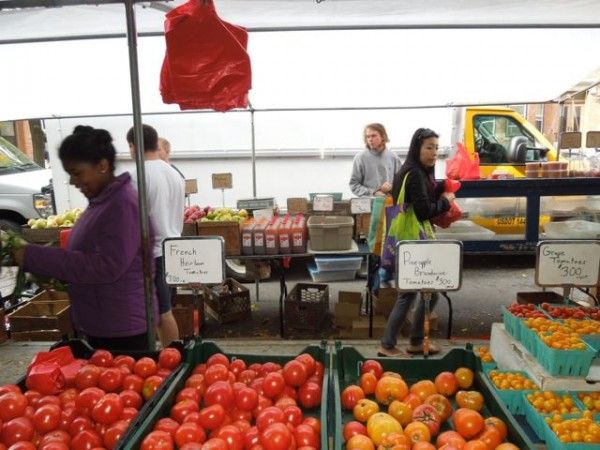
(429, 265)
(79, 404)
(388, 412)
(197, 259)
(231, 405)
(568, 263)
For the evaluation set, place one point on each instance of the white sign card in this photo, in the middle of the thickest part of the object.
(360, 205)
(197, 259)
(323, 203)
(429, 265)
(263, 213)
(568, 263)
(8, 281)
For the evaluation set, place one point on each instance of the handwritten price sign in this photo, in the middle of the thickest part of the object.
(194, 260)
(568, 263)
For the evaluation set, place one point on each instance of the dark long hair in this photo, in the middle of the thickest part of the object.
(88, 145)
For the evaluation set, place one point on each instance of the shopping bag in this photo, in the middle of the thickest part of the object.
(402, 225)
(461, 166)
(377, 224)
(206, 64)
(454, 213)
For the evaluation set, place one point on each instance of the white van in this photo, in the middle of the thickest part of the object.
(25, 188)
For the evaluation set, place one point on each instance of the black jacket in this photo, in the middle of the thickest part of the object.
(422, 191)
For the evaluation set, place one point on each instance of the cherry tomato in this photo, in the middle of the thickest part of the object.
(247, 376)
(53, 445)
(309, 363)
(56, 436)
(32, 397)
(293, 415)
(446, 384)
(218, 358)
(350, 395)
(269, 367)
(67, 415)
(68, 396)
(306, 436)
(353, 428)
(214, 444)
(102, 358)
(237, 366)
(251, 437)
(169, 358)
(197, 382)
(22, 445)
(129, 413)
(216, 372)
(315, 423)
(79, 424)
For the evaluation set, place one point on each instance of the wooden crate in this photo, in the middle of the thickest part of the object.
(229, 306)
(42, 315)
(50, 295)
(230, 231)
(39, 335)
(189, 229)
(42, 235)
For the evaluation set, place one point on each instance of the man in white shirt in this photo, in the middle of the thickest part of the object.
(165, 193)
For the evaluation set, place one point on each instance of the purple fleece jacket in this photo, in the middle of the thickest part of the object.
(102, 264)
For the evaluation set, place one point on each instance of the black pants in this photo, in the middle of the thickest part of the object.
(137, 342)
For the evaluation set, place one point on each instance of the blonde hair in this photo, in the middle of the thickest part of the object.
(164, 144)
(379, 128)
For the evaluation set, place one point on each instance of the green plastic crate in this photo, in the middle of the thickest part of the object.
(346, 370)
(512, 323)
(513, 399)
(536, 420)
(201, 352)
(573, 363)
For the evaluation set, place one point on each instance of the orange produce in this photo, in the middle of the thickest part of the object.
(351, 395)
(380, 424)
(364, 409)
(423, 445)
(416, 432)
(446, 384)
(441, 404)
(450, 437)
(400, 411)
(360, 442)
(490, 436)
(464, 377)
(497, 423)
(368, 381)
(469, 399)
(467, 422)
(413, 400)
(391, 374)
(507, 446)
(394, 441)
(475, 445)
(423, 388)
(389, 389)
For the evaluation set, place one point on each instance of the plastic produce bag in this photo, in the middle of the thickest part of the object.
(44, 373)
(454, 213)
(461, 166)
(206, 64)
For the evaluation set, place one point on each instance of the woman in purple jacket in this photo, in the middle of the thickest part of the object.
(102, 263)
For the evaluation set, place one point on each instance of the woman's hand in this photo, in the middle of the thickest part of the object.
(386, 187)
(19, 256)
(449, 196)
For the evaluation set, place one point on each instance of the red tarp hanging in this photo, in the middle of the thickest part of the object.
(206, 64)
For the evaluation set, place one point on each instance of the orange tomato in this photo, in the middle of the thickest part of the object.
(380, 424)
(351, 395)
(441, 404)
(389, 389)
(446, 384)
(368, 381)
(450, 437)
(360, 442)
(467, 422)
(507, 446)
(400, 411)
(469, 399)
(416, 432)
(497, 423)
(475, 445)
(464, 377)
(413, 400)
(423, 389)
(491, 437)
(394, 441)
(392, 374)
(364, 409)
(423, 445)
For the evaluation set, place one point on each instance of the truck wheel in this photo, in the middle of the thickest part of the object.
(6, 224)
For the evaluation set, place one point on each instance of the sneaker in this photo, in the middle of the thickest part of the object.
(418, 349)
(388, 352)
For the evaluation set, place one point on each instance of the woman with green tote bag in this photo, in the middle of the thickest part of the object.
(426, 197)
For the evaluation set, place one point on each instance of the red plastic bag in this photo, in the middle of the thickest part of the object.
(46, 378)
(454, 213)
(61, 356)
(206, 64)
(461, 166)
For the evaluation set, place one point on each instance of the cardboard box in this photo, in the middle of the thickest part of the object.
(362, 222)
(360, 327)
(347, 308)
(384, 302)
(41, 320)
(230, 231)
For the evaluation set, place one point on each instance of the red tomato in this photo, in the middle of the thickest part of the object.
(242, 425)
(216, 372)
(446, 383)
(273, 383)
(79, 424)
(108, 409)
(370, 365)
(167, 424)
(124, 360)
(49, 400)
(237, 366)
(350, 395)
(353, 428)
(467, 422)
(219, 392)
(157, 440)
(232, 436)
(56, 436)
(53, 445)
(269, 367)
(268, 416)
(67, 415)
(133, 382)
(32, 397)
(293, 415)
(5, 388)
(451, 438)
(284, 402)
(294, 373)
(12, 404)
(189, 432)
(189, 393)
(181, 409)
(46, 418)
(22, 445)
(150, 386)
(246, 399)
(257, 385)
(67, 396)
(211, 417)
(277, 436)
(169, 358)
(315, 423)
(309, 395)
(441, 404)
(200, 368)
(114, 433)
(217, 358)
(246, 376)
(214, 444)
(130, 398)
(87, 399)
(102, 358)
(308, 361)
(263, 402)
(305, 436)
(129, 413)
(111, 379)
(319, 369)
(236, 414)
(429, 416)
(251, 437)
(145, 367)
(17, 429)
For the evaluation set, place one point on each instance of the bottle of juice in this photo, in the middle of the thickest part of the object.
(285, 242)
(247, 228)
(272, 236)
(259, 237)
(299, 234)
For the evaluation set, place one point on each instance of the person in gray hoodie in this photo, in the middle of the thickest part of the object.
(374, 168)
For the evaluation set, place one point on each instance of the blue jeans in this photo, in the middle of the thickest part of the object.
(398, 315)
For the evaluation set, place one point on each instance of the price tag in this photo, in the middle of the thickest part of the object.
(194, 260)
(297, 205)
(262, 214)
(431, 266)
(191, 186)
(360, 205)
(323, 203)
(592, 139)
(222, 181)
(570, 139)
(568, 263)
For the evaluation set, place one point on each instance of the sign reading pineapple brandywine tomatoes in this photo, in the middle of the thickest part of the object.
(568, 263)
(429, 265)
(197, 259)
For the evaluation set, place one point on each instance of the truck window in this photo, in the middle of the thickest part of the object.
(12, 159)
(498, 139)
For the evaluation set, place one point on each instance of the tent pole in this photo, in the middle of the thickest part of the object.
(252, 131)
(147, 259)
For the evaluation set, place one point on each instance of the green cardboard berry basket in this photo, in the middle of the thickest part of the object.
(554, 443)
(512, 398)
(537, 420)
(571, 363)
